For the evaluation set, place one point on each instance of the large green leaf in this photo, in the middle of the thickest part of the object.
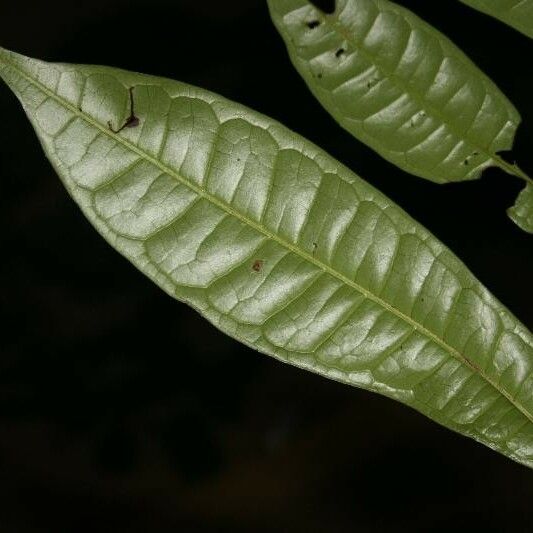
(281, 246)
(516, 13)
(401, 87)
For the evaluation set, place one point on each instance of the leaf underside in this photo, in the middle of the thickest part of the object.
(280, 246)
(515, 13)
(400, 86)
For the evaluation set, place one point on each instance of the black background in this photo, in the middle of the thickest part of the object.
(122, 410)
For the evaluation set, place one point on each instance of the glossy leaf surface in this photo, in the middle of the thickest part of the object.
(400, 86)
(280, 246)
(515, 13)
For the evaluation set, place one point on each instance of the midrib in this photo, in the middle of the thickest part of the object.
(261, 229)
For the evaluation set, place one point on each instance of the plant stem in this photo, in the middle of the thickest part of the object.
(513, 169)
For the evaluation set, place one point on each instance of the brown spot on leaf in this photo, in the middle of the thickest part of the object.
(258, 265)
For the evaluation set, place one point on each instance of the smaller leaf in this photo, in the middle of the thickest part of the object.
(400, 86)
(515, 13)
(522, 212)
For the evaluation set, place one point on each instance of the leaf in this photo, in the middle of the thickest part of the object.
(522, 211)
(280, 246)
(400, 86)
(515, 13)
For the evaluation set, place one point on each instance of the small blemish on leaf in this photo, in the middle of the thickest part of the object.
(340, 52)
(418, 118)
(319, 75)
(258, 265)
(312, 24)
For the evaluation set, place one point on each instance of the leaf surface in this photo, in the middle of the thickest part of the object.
(280, 246)
(400, 86)
(515, 13)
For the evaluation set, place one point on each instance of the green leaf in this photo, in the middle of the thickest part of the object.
(400, 86)
(515, 13)
(280, 246)
(522, 211)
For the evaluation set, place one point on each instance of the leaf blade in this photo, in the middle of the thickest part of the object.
(232, 213)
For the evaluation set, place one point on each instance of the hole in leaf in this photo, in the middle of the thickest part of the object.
(312, 24)
(467, 160)
(339, 52)
(326, 6)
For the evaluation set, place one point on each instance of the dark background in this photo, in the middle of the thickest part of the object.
(122, 410)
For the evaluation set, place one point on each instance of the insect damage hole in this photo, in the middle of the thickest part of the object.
(312, 24)
(468, 158)
(340, 52)
(132, 121)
